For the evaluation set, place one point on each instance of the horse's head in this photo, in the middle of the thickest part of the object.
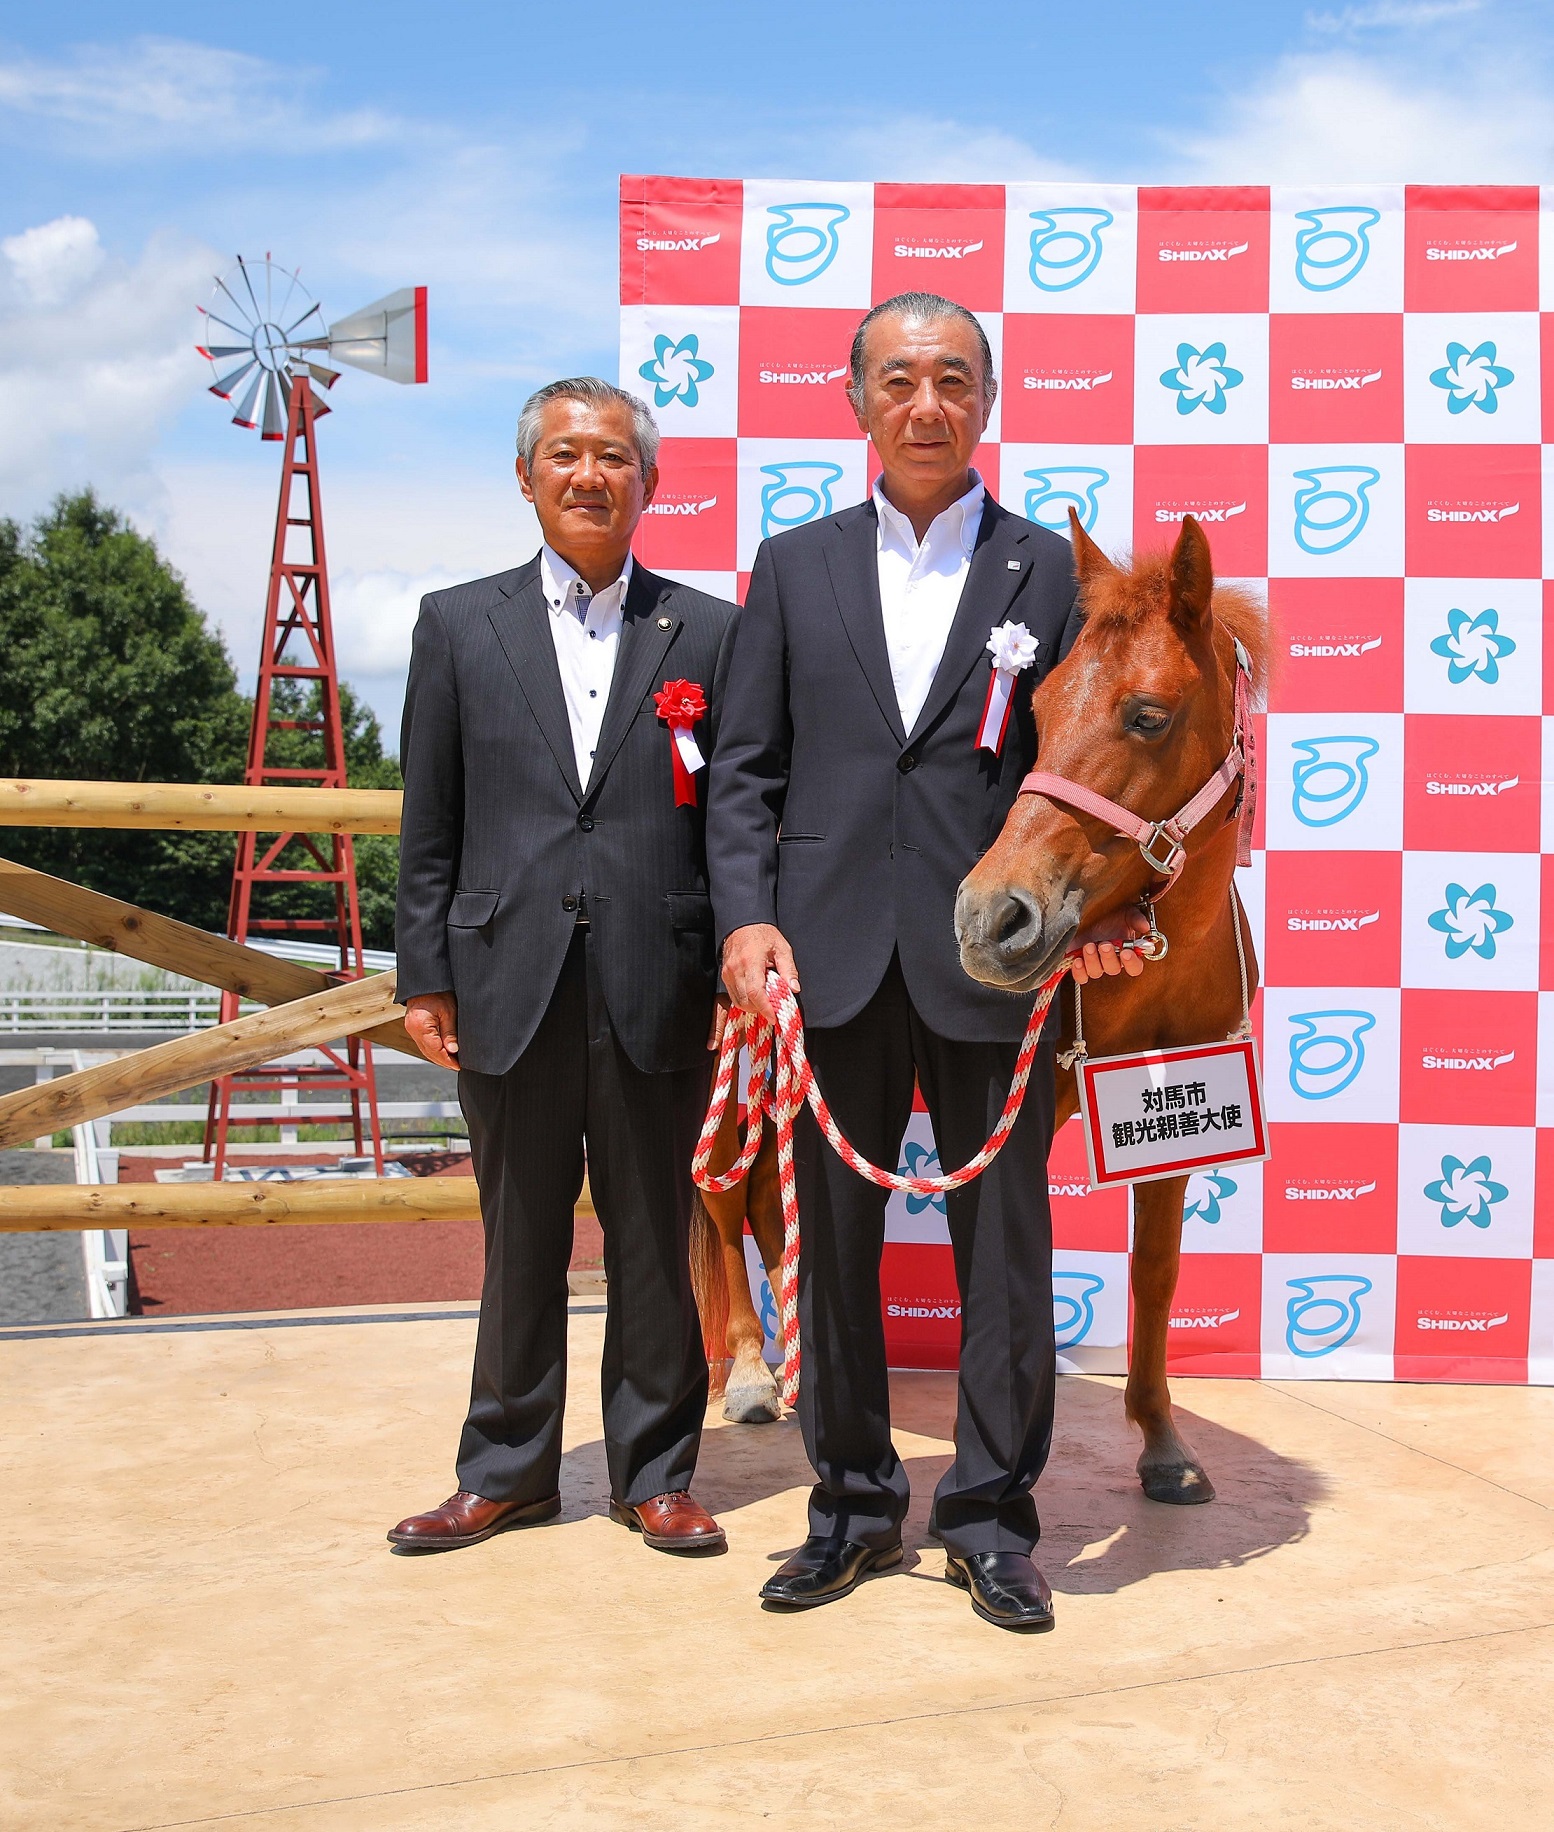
(1141, 711)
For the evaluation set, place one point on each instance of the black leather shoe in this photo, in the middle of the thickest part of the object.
(1006, 1589)
(824, 1569)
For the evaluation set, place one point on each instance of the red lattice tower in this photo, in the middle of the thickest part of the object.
(298, 646)
(267, 334)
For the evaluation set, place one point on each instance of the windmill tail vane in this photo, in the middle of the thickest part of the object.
(263, 328)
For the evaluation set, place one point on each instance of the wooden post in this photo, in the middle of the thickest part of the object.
(344, 1010)
(57, 1207)
(197, 807)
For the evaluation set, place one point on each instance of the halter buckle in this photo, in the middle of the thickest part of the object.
(1171, 863)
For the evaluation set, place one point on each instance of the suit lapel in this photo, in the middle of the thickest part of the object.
(522, 624)
(852, 558)
(645, 642)
(998, 568)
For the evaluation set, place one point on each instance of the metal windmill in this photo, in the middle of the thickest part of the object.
(270, 351)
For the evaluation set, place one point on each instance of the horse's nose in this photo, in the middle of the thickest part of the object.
(1014, 924)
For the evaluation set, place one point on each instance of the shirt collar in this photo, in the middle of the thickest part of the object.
(559, 582)
(958, 523)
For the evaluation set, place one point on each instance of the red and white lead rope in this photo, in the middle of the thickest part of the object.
(783, 1094)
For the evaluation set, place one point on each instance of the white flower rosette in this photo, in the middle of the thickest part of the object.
(1013, 649)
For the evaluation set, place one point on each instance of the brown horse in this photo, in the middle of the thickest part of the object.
(1142, 710)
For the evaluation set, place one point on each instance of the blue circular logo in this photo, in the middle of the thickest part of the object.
(802, 243)
(1333, 245)
(1066, 246)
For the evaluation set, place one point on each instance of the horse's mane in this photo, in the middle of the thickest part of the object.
(1128, 595)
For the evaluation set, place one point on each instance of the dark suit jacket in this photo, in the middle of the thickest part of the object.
(828, 819)
(500, 839)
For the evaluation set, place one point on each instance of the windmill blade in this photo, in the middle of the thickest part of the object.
(311, 312)
(274, 412)
(213, 351)
(386, 338)
(249, 283)
(238, 308)
(223, 386)
(326, 378)
(245, 332)
(245, 413)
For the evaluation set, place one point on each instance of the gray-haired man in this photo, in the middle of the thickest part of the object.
(555, 947)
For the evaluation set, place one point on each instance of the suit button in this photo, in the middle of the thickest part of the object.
(569, 903)
(586, 824)
(907, 764)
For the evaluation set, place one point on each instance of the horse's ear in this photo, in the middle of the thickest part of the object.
(1089, 562)
(1192, 575)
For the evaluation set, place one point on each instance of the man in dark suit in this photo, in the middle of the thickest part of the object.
(555, 947)
(849, 797)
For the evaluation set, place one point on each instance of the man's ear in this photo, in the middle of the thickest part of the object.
(649, 484)
(522, 471)
(1089, 562)
(1191, 576)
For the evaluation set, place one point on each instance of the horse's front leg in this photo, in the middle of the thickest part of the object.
(1167, 1466)
(750, 1394)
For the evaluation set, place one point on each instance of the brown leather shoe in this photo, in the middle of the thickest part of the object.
(672, 1523)
(465, 1520)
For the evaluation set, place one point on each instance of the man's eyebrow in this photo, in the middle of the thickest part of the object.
(892, 364)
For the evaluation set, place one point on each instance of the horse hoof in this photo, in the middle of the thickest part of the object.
(1184, 1485)
(752, 1405)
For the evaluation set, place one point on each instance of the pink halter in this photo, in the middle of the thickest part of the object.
(1163, 843)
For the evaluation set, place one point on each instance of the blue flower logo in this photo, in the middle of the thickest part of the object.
(1066, 246)
(803, 241)
(1328, 783)
(1466, 1192)
(1332, 245)
(1201, 378)
(1061, 487)
(798, 493)
(922, 1161)
(1324, 1313)
(1473, 645)
(1472, 378)
(677, 370)
(1470, 920)
(1073, 1310)
(1332, 506)
(1206, 1196)
(1327, 1051)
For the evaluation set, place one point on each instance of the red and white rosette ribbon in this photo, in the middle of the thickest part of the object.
(680, 704)
(1013, 649)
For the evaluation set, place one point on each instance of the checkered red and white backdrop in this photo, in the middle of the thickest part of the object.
(1353, 389)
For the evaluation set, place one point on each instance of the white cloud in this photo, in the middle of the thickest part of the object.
(914, 149)
(1408, 15)
(1342, 118)
(167, 94)
(53, 260)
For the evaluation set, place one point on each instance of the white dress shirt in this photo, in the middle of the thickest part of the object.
(586, 629)
(920, 588)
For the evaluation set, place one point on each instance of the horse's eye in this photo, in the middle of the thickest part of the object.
(1150, 721)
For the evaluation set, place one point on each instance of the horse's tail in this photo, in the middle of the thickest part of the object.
(709, 1281)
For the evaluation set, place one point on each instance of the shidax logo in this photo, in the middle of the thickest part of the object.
(1331, 925)
(1460, 1322)
(1468, 251)
(936, 251)
(1202, 1319)
(798, 493)
(1206, 1196)
(1201, 378)
(1073, 1305)
(1479, 1064)
(1302, 651)
(1332, 245)
(1330, 778)
(1472, 378)
(1061, 487)
(922, 1161)
(1473, 647)
(803, 240)
(1327, 1051)
(1332, 506)
(1072, 381)
(1319, 1191)
(1204, 512)
(1201, 251)
(1333, 381)
(665, 505)
(675, 244)
(1466, 510)
(789, 378)
(1470, 922)
(1472, 785)
(1324, 1313)
(1066, 246)
(923, 1310)
(676, 370)
(1465, 1192)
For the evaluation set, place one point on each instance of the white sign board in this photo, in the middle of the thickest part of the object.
(1165, 1113)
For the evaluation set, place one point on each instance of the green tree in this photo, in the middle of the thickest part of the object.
(108, 671)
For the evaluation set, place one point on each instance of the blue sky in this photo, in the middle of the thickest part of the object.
(475, 149)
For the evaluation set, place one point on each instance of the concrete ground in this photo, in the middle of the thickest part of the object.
(201, 1623)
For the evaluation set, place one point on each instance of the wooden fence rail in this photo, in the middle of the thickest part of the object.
(53, 1207)
(195, 806)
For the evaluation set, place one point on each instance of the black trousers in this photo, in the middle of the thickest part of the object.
(1001, 1234)
(527, 1130)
